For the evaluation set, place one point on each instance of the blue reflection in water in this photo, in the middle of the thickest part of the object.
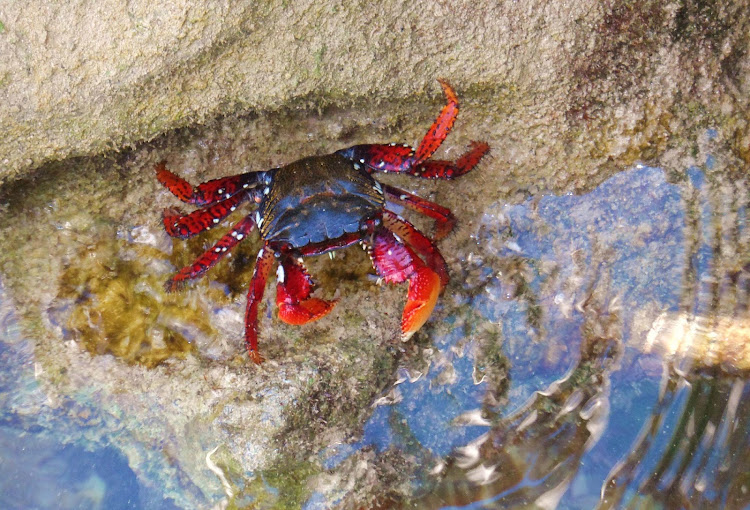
(632, 229)
(38, 468)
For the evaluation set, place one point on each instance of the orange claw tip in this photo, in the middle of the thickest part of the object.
(424, 289)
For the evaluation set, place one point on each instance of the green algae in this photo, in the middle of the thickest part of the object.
(117, 306)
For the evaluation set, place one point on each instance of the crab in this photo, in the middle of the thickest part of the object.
(324, 203)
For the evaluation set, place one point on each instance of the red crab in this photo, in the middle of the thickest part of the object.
(325, 203)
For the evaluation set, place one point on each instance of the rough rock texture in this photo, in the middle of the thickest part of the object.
(84, 77)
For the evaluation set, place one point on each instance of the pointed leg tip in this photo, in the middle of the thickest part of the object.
(479, 145)
(448, 90)
(173, 285)
(255, 357)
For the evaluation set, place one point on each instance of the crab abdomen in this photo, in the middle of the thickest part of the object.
(318, 199)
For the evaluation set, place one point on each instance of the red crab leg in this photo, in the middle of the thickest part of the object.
(263, 264)
(396, 262)
(444, 219)
(341, 242)
(212, 191)
(211, 256)
(293, 294)
(440, 128)
(196, 222)
(439, 169)
(419, 242)
(402, 158)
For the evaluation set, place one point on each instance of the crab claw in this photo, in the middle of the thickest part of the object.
(397, 262)
(293, 295)
(424, 288)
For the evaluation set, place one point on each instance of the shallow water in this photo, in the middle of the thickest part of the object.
(592, 351)
(600, 403)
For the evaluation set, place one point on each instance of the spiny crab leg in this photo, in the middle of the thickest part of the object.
(211, 256)
(212, 191)
(263, 264)
(440, 169)
(396, 262)
(440, 128)
(189, 225)
(444, 218)
(403, 159)
(293, 294)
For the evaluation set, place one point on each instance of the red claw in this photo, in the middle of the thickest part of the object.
(293, 295)
(419, 242)
(396, 262)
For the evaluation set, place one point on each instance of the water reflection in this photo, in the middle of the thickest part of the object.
(530, 457)
(46, 460)
(619, 373)
(692, 449)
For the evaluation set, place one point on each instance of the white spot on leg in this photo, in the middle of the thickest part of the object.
(280, 274)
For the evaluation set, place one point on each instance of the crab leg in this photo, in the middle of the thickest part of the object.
(196, 222)
(440, 169)
(444, 219)
(404, 159)
(263, 264)
(440, 128)
(212, 191)
(211, 256)
(293, 294)
(321, 248)
(396, 262)
(419, 242)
